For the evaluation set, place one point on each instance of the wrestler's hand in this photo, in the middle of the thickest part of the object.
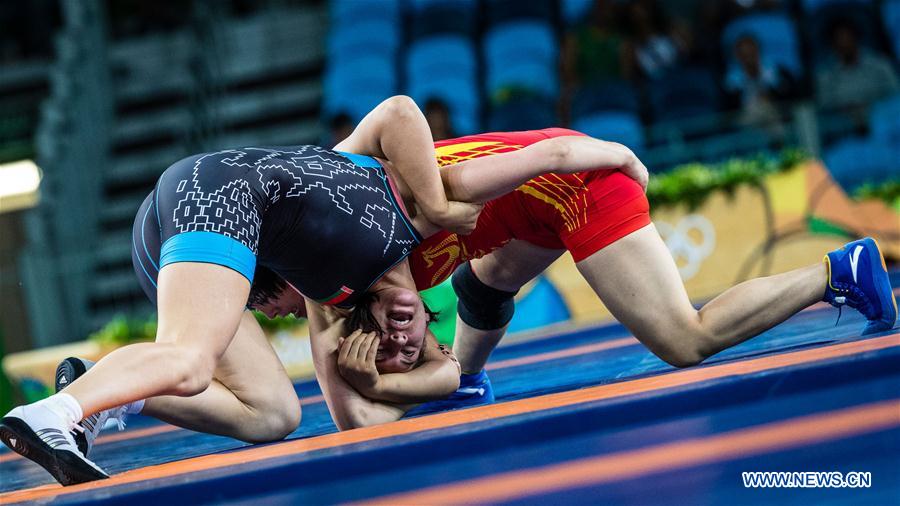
(636, 170)
(356, 361)
(457, 217)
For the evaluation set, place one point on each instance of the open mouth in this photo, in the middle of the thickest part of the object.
(400, 319)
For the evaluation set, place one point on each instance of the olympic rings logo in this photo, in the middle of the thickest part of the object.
(690, 241)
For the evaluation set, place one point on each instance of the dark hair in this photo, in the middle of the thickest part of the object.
(436, 104)
(361, 315)
(266, 286)
(840, 23)
(340, 120)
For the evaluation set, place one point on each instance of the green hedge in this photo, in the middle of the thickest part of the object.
(888, 191)
(691, 184)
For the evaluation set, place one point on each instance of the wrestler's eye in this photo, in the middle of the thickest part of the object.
(409, 353)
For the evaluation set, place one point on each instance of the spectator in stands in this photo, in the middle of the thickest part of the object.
(654, 44)
(438, 116)
(755, 85)
(340, 127)
(594, 51)
(857, 77)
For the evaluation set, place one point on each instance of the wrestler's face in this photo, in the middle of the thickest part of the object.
(401, 315)
(288, 301)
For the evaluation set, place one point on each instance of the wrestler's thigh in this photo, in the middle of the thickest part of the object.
(638, 281)
(513, 265)
(252, 371)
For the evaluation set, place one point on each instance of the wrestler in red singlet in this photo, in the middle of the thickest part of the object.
(581, 212)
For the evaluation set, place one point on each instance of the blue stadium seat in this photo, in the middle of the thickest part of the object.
(534, 76)
(575, 12)
(444, 67)
(683, 93)
(622, 127)
(890, 14)
(435, 17)
(856, 161)
(522, 54)
(504, 11)
(776, 35)
(354, 11)
(884, 122)
(460, 96)
(605, 96)
(533, 40)
(438, 57)
(422, 5)
(523, 114)
(365, 37)
(810, 6)
(356, 85)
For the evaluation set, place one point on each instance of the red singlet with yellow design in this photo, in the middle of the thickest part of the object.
(581, 212)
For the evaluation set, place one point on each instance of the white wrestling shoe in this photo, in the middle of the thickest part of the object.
(39, 433)
(68, 371)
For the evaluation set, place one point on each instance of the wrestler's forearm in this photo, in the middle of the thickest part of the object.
(578, 153)
(482, 179)
(398, 131)
(347, 407)
(428, 382)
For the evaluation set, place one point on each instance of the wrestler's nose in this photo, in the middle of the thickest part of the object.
(399, 338)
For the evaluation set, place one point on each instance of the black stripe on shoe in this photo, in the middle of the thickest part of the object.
(67, 467)
(68, 371)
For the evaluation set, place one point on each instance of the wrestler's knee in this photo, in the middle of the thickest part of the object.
(478, 305)
(273, 421)
(680, 345)
(193, 369)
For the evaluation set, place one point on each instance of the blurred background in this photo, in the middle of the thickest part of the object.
(103, 95)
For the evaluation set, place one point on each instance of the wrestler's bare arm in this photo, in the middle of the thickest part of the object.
(349, 409)
(392, 395)
(482, 179)
(396, 130)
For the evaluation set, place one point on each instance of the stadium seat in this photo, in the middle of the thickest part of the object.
(435, 17)
(460, 96)
(522, 54)
(366, 37)
(444, 67)
(356, 85)
(684, 93)
(605, 96)
(499, 12)
(350, 12)
(523, 114)
(776, 35)
(442, 56)
(856, 161)
(884, 122)
(622, 127)
(810, 6)
(534, 40)
(890, 14)
(575, 12)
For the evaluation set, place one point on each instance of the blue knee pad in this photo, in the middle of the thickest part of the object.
(481, 306)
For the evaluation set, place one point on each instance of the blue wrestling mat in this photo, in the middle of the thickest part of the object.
(583, 416)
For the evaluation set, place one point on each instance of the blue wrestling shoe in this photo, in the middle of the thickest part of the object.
(857, 277)
(474, 390)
